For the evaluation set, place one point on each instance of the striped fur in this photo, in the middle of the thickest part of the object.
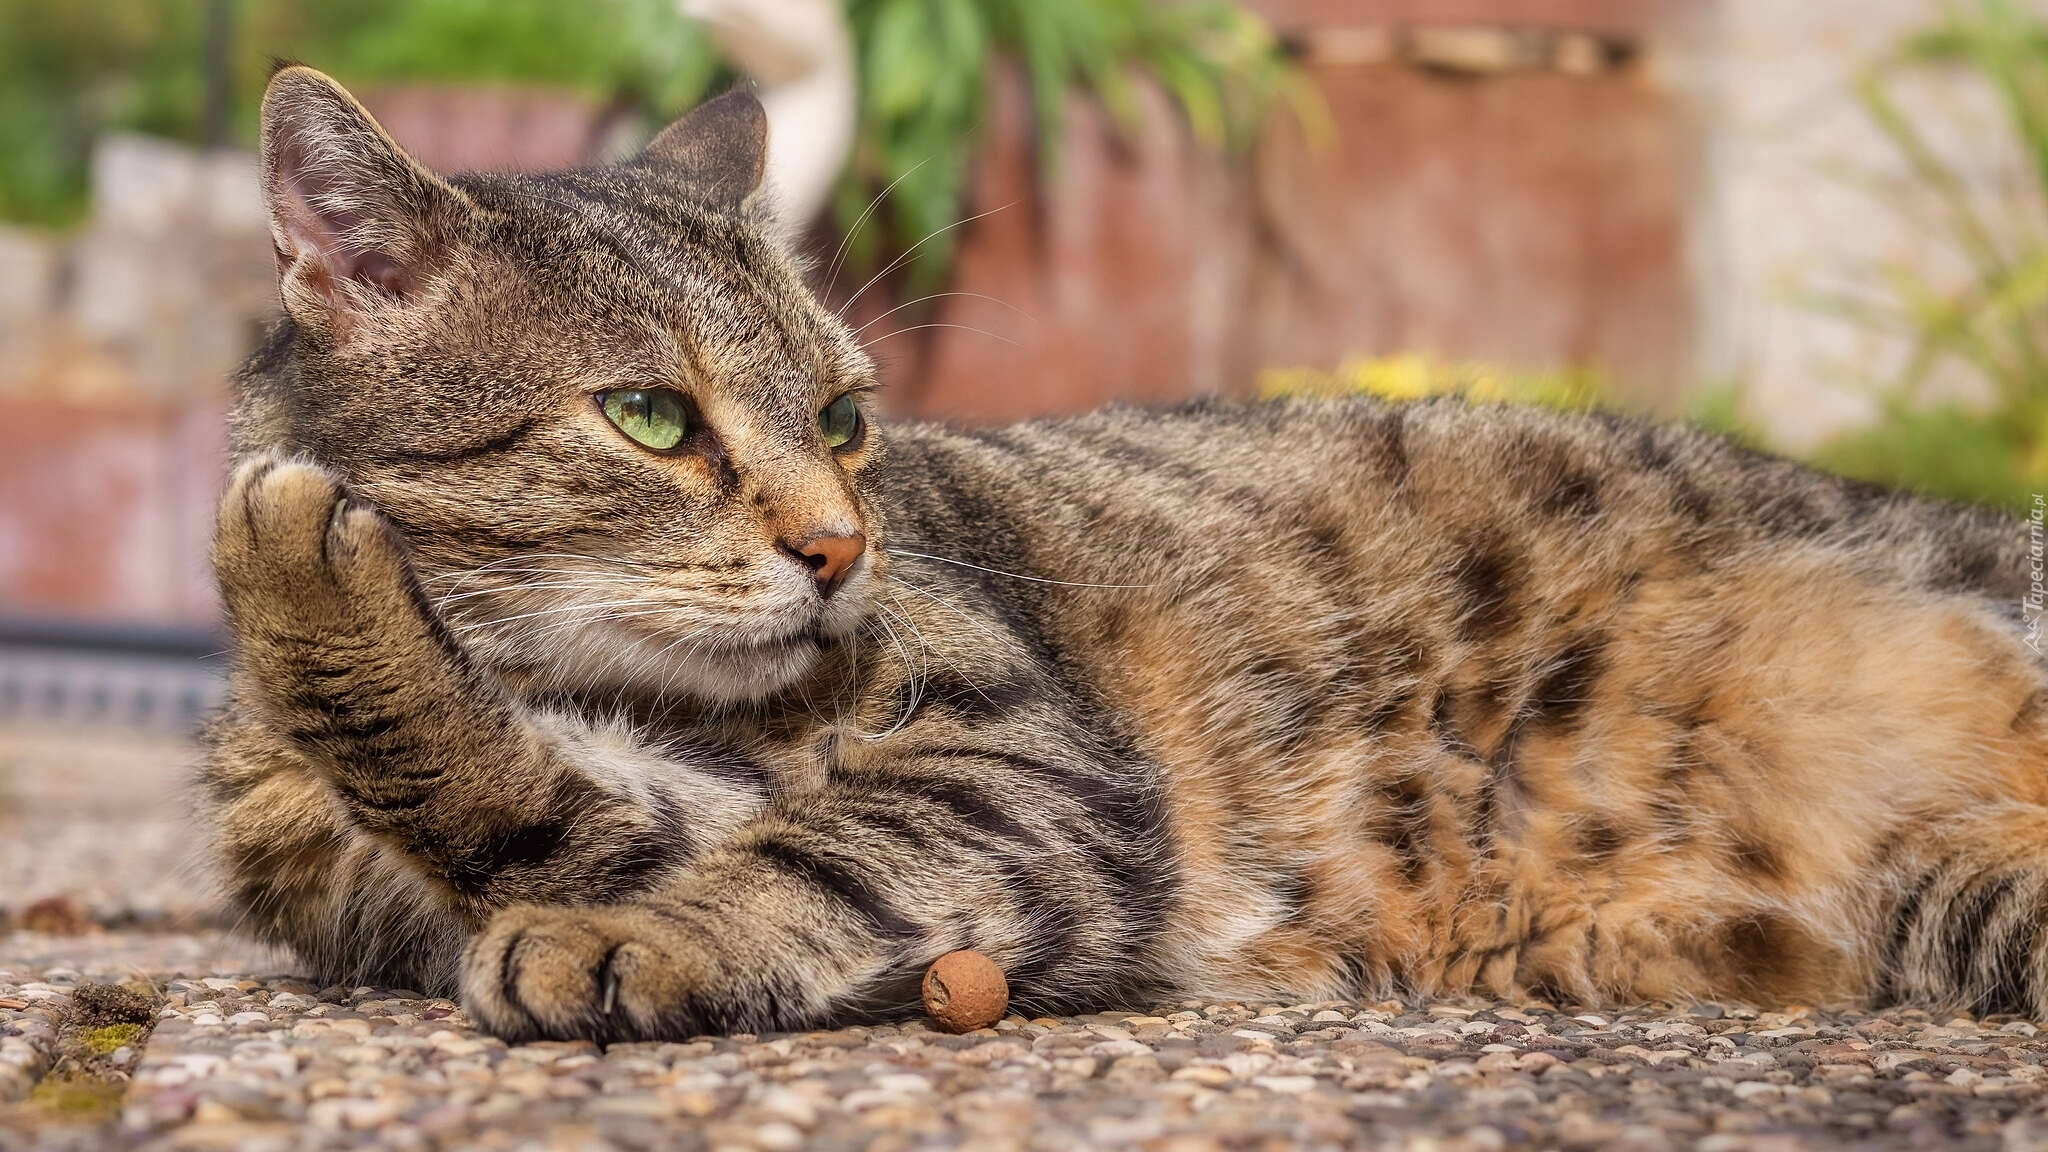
(1292, 700)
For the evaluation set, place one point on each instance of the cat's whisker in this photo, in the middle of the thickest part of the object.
(608, 618)
(916, 682)
(939, 296)
(911, 251)
(839, 253)
(939, 324)
(934, 597)
(696, 640)
(534, 557)
(500, 566)
(935, 650)
(563, 573)
(559, 651)
(556, 610)
(516, 589)
(1017, 575)
(503, 564)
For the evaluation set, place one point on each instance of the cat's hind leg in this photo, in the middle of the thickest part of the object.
(1963, 923)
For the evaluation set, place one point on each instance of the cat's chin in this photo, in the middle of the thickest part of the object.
(612, 659)
(750, 657)
(739, 675)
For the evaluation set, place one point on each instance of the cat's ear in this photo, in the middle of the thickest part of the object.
(352, 217)
(717, 152)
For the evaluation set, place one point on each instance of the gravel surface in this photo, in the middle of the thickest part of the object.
(99, 819)
(244, 1056)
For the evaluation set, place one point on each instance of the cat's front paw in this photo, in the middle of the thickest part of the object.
(300, 560)
(604, 974)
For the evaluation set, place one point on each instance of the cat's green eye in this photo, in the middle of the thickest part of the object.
(840, 422)
(651, 416)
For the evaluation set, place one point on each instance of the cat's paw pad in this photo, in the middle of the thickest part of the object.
(602, 974)
(294, 551)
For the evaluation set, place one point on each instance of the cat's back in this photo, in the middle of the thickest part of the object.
(1356, 489)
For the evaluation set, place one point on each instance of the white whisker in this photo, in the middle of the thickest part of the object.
(1016, 575)
(956, 610)
(938, 296)
(937, 324)
(838, 254)
(560, 608)
(908, 252)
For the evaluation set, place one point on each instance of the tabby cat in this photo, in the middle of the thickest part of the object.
(599, 658)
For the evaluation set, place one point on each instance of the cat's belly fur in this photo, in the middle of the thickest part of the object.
(1445, 700)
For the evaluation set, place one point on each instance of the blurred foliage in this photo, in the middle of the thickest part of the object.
(1719, 410)
(1941, 451)
(1994, 322)
(924, 68)
(69, 68)
(1945, 451)
(72, 69)
(1417, 377)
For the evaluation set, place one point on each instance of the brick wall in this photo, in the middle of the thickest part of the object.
(1510, 189)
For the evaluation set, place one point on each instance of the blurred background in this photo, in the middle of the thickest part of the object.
(1818, 226)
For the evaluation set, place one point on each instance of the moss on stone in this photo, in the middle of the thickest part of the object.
(111, 1038)
(78, 1097)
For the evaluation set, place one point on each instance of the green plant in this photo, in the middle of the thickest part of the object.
(1994, 321)
(642, 53)
(924, 68)
(1942, 450)
(69, 69)
(72, 69)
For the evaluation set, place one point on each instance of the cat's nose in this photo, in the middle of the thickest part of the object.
(829, 558)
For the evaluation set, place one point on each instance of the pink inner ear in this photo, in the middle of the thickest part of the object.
(381, 272)
(325, 237)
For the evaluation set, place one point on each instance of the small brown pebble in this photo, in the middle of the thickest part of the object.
(964, 991)
(56, 915)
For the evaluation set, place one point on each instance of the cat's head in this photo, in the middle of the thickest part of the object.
(626, 445)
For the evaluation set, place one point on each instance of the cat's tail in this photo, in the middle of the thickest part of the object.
(1964, 916)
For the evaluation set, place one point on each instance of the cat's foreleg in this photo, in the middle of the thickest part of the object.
(299, 873)
(343, 664)
(832, 903)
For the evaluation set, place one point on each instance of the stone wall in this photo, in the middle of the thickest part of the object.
(115, 347)
(1798, 196)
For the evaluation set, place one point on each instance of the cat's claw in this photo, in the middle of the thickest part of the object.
(605, 974)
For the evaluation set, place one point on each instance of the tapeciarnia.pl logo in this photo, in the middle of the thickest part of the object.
(2037, 564)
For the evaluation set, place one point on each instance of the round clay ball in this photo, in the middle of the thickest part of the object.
(965, 990)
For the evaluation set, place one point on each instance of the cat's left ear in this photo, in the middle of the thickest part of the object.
(716, 153)
(354, 219)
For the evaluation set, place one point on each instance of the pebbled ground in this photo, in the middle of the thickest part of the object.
(244, 1056)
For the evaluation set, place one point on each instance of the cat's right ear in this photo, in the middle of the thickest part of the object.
(352, 217)
(717, 153)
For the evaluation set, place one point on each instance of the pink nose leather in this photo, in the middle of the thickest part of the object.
(829, 557)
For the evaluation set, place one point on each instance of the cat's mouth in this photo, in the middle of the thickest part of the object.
(731, 661)
(751, 670)
(661, 633)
